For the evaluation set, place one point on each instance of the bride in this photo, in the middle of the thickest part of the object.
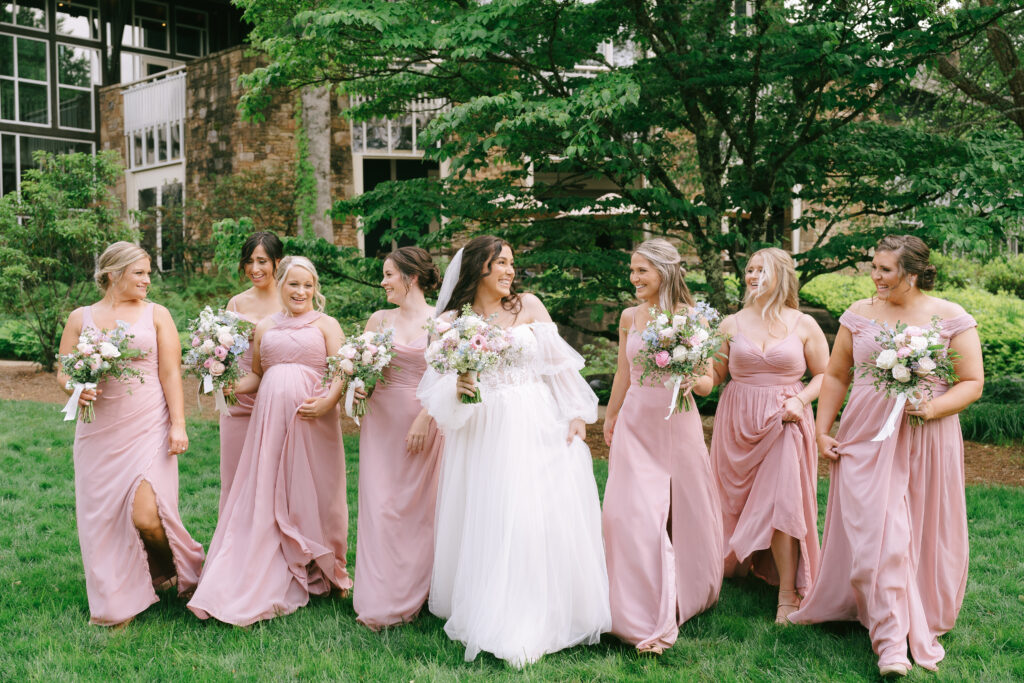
(519, 566)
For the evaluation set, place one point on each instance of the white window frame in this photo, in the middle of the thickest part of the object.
(204, 32)
(94, 80)
(46, 19)
(17, 153)
(94, 19)
(136, 28)
(17, 78)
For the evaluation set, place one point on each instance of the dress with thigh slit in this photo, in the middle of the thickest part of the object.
(125, 445)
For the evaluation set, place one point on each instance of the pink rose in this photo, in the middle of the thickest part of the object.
(217, 368)
(478, 342)
(207, 363)
(86, 349)
(196, 342)
(79, 365)
(662, 359)
(904, 351)
(442, 326)
(372, 348)
(348, 352)
(220, 352)
(913, 331)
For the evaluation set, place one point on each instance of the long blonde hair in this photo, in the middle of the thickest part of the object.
(778, 279)
(111, 264)
(289, 262)
(666, 260)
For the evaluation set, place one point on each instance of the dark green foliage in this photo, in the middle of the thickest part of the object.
(1005, 276)
(1003, 390)
(990, 422)
(17, 341)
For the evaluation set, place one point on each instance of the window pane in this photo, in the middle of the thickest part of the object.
(33, 103)
(160, 140)
(31, 59)
(77, 66)
(191, 18)
(152, 68)
(9, 177)
(150, 148)
(75, 108)
(401, 133)
(147, 200)
(190, 41)
(6, 56)
(175, 141)
(151, 19)
(78, 19)
(6, 12)
(137, 149)
(30, 145)
(31, 13)
(7, 100)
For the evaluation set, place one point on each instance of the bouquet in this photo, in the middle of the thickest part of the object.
(676, 345)
(100, 355)
(904, 367)
(361, 363)
(468, 345)
(218, 341)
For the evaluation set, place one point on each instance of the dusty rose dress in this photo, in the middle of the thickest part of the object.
(766, 469)
(125, 445)
(894, 553)
(283, 532)
(662, 521)
(397, 495)
(233, 427)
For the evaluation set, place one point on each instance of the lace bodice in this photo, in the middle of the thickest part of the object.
(517, 368)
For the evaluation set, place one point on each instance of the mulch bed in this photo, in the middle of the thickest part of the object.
(984, 463)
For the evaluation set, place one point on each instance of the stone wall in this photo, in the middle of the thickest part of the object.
(111, 124)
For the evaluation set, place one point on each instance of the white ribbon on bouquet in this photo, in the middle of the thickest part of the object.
(915, 399)
(70, 408)
(674, 384)
(350, 397)
(218, 396)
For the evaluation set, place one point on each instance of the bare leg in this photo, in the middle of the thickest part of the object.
(786, 553)
(147, 520)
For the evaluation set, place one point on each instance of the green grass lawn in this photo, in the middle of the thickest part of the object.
(45, 634)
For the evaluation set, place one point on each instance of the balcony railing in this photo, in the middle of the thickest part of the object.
(154, 119)
(395, 136)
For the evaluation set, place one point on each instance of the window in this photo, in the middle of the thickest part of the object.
(149, 27)
(28, 13)
(17, 150)
(78, 19)
(162, 224)
(24, 65)
(78, 70)
(190, 33)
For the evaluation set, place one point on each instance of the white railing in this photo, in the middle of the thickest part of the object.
(154, 119)
(395, 136)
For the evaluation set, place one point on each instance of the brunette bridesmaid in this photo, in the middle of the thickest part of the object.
(283, 533)
(126, 459)
(399, 458)
(662, 521)
(260, 255)
(894, 553)
(762, 448)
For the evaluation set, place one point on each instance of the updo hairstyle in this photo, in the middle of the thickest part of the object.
(414, 262)
(912, 256)
(289, 262)
(271, 244)
(666, 260)
(114, 260)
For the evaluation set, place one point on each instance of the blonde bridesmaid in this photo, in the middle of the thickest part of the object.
(762, 448)
(662, 521)
(399, 458)
(260, 255)
(126, 460)
(894, 553)
(283, 533)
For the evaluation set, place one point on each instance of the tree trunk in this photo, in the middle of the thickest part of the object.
(316, 120)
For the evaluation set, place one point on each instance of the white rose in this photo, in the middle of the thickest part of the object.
(367, 358)
(900, 339)
(886, 359)
(451, 334)
(662, 320)
(695, 354)
(933, 339)
(347, 366)
(701, 334)
(678, 321)
(225, 337)
(925, 366)
(679, 354)
(901, 373)
(108, 350)
(434, 349)
(667, 333)
(918, 343)
(207, 346)
(367, 337)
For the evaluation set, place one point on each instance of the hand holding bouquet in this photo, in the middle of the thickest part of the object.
(100, 355)
(676, 346)
(910, 357)
(466, 346)
(218, 342)
(361, 362)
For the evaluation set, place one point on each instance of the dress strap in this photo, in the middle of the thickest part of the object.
(87, 320)
(147, 315)
(951, 327)
(854, 322)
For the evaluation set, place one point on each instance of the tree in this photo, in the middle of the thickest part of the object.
(50, 235)
(706, 122)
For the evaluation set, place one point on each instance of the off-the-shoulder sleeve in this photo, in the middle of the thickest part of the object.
(437, 394)
(951, 327)
(559, 365)
(854, 322)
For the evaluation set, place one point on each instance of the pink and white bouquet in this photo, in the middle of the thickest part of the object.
(910, 359)
(100, 355)
(361, 362)
(467, 345)
(676, 347)
(218, 341)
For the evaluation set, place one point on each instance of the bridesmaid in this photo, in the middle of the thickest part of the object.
(894, 553)
(283, 533)
(662, 521)
(126, 460)
(399, 458)
(762, 448)
(260, 255)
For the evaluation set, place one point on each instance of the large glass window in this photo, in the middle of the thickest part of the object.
(149, 26)
(80, 19)
(28, 13)
(24, 69)
(191, 33)
(78, 70)
(17, 150)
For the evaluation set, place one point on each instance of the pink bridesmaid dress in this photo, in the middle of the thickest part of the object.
(283, 532)
(233, 427)
(662, 521)
(766, 469)
(894, 553)
(397, 495)
(124, 446)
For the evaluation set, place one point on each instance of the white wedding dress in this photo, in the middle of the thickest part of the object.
(519, 568)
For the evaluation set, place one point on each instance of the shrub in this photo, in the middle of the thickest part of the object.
(17, 341)
(1000, 325)
(1005, 276)
(835, 292)
(955, 273)
(1003, 390)
(998, 423)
